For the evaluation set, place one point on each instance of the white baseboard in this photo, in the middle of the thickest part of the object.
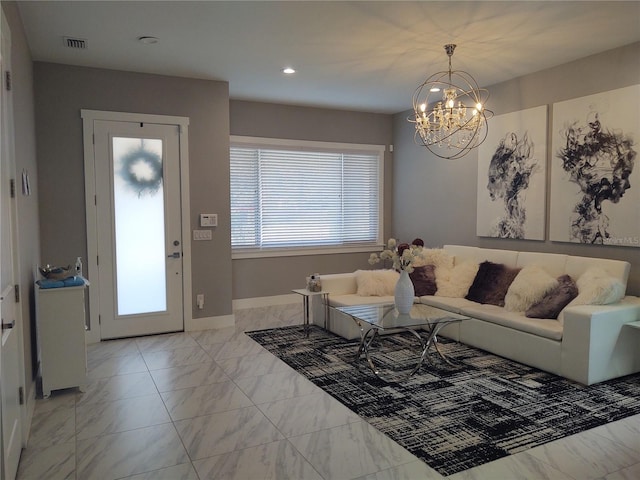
(266, 301)
(208, 323)
(30, 406)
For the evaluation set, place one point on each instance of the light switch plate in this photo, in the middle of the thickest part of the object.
(208, 219)
(202, 234)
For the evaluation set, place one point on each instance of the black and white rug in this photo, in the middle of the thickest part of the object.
(453, 418)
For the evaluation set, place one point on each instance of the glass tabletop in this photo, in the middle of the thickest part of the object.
(386, 316)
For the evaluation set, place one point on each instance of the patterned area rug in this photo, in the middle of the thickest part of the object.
(453, 418)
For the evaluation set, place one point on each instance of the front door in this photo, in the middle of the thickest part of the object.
(138, 210)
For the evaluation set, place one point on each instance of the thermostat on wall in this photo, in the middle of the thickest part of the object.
(208, 219)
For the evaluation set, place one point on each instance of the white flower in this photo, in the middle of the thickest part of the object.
(401, 261)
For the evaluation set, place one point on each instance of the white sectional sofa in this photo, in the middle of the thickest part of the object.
(589, 344)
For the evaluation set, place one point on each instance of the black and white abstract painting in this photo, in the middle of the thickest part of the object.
(595, 179)
(512, 176)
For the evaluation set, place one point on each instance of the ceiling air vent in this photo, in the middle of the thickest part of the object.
(78, 43)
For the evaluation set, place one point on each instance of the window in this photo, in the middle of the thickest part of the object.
(289, 196)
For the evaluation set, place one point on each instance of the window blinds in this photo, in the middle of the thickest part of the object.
(291, 198)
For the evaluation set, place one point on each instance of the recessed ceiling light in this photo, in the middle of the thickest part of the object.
(148, 40)
(434, 89)
(288, 70)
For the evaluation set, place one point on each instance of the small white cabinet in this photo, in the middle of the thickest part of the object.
(60, 317)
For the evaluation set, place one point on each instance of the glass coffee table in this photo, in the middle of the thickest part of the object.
(423, 322)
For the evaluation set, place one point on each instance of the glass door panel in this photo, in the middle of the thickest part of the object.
(139, 217)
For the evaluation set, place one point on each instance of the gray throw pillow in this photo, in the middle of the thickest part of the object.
(554, 301)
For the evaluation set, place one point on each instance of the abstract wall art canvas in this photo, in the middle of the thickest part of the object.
(512, 176)
(595, 179)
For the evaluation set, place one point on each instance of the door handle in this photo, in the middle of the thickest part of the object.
(8, 326)
(174, 255)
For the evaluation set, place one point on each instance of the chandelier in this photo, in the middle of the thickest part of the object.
(457, 123)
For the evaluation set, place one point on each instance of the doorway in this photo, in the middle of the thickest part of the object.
(137, 225)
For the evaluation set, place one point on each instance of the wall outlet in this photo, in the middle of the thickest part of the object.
(200, 301)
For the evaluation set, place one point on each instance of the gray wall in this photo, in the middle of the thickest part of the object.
(27, 206)
(274, 276)
(61, 91)
(436, 199)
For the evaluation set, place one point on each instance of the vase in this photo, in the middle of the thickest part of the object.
(404, 293)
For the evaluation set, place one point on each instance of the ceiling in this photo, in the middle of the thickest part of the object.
(361, 55)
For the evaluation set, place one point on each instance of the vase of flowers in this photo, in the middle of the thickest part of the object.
(402, 255)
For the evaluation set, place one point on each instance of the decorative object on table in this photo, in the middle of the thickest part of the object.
(452, 127)
(56, 273)
(402, 255)
(595, 186)
(79, 267)
(314, 284)
(454, 419)
(404, 293)
(512, 176)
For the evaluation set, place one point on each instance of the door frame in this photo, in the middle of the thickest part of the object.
(88, 119)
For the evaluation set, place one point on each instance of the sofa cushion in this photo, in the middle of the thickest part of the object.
(455, 305)
(546, 328)
(491, 283)
(455, 282)
(555, 300)
(479, 255)
(339, 283)
(530, 285)
(424, 280)
(376, 282)
(553, 263)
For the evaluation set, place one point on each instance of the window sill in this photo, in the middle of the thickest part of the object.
(301, 252)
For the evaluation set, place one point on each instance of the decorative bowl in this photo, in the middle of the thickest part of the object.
(55, 273)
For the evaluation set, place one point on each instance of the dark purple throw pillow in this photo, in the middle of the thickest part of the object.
(554, 301)
(491, 283)
(424, 280)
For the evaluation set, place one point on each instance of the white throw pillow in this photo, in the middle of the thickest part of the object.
(455, 282)
(596, 287)
(437, 257)
(529, 287)
(376, 283)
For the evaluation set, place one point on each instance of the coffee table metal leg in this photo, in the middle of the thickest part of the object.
(365, 347)
(366, 344)
(433, 340)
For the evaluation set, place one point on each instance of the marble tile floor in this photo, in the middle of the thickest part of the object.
(215, 405)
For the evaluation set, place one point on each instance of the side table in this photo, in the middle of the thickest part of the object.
(306, 294)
